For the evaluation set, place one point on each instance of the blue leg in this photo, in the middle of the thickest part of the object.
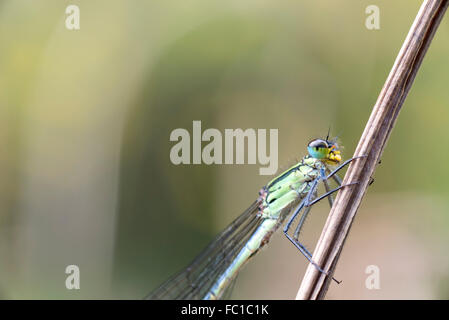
(337, 179)
(341, 166)
(327, 194)
(306, 203)
(301, 223)
(329, 198)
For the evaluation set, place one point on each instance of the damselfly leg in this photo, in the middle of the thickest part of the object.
(306, 205)
(341, 166)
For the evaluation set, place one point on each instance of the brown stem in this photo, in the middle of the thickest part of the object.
(372, 143)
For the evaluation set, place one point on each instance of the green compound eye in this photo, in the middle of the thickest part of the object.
(318, 148)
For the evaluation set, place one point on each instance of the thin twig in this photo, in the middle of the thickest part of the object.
(371, 144)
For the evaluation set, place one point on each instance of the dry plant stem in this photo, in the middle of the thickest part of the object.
(372, 143)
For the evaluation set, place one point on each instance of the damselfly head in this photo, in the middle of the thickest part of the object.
(326, 150)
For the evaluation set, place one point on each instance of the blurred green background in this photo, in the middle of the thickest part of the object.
(86, 115)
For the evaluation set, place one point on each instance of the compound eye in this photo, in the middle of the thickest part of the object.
(318, 144)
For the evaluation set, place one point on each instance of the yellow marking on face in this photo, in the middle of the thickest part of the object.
(335, 156)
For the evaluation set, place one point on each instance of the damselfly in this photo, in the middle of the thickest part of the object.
(294, 191)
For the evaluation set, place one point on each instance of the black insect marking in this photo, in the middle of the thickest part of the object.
(295, 168)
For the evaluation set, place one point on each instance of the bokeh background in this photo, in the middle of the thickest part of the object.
(85, 120)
